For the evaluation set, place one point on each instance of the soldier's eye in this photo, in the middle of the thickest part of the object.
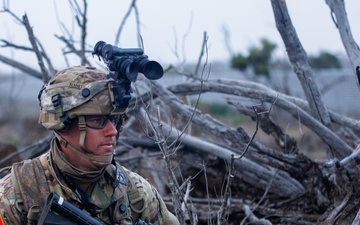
(97, 122)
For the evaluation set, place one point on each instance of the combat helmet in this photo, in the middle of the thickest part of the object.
(73, 92)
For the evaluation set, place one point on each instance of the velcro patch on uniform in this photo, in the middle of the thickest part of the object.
(1, 220)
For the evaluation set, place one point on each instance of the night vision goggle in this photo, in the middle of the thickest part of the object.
(125, 64)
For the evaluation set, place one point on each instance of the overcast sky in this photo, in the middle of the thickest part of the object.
(167, 22)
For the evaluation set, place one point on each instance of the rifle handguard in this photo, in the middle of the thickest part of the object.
(59, 211)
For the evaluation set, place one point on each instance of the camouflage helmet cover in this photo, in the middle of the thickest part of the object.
(73, 92)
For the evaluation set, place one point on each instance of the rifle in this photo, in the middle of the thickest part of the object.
(59, 211)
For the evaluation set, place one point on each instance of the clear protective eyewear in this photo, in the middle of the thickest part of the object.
(100, 121)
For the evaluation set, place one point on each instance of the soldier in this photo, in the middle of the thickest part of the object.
(77, 104)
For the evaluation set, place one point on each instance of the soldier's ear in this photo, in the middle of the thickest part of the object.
(64, 131)
(69, 129)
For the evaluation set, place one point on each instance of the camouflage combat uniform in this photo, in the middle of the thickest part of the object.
(117, 196)
(150, 206)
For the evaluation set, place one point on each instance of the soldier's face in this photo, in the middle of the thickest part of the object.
(101, 142)
(98, 142)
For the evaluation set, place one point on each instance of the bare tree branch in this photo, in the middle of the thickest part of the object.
(33, 41)
(352, 48)
(123, 22)
(21, 67)
(298, 58)
(341, 148)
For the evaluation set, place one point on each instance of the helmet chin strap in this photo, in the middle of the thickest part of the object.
(100, 161)
(82, 129)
